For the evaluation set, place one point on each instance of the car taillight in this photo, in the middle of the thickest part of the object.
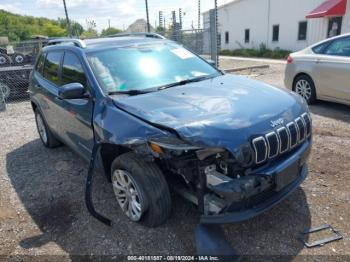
(289, 60)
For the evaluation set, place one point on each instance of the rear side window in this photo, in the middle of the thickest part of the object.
(72, 70)
(40, 64)
(339, 47)
(320, 48)
(51, 67)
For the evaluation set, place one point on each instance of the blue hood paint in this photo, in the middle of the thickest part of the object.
(222, 112)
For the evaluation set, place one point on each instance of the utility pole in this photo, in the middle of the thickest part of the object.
(147, 14)
(67, 18)
(199, 14)
(180, 17)
(216, 33)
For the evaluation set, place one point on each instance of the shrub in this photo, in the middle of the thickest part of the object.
(263, 51)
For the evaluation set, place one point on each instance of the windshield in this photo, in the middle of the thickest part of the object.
(146, 66)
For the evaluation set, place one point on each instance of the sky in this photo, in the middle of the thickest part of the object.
(121, 13)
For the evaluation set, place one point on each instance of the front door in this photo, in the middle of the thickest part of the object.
(76, 114)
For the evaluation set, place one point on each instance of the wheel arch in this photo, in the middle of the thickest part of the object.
(302, 74)
(108, 152)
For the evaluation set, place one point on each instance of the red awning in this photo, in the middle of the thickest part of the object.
(329, 8)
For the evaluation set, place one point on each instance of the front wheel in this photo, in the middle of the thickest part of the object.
(305, 87)
(141, 190)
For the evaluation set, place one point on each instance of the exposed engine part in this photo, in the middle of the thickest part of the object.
(242, 188)
(213, 204)
(215, 178)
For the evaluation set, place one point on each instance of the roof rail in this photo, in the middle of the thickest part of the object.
(76, 42)
(150, 35)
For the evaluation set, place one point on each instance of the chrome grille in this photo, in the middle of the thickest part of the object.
(283, 139)
(307, 121)
(260, 148)
(301, 128)
(273, 144)
(293, 132)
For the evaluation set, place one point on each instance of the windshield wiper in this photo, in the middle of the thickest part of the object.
(186, 81)
(132, 92)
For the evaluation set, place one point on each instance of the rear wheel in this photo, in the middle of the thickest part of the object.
(46, 136)
(141, 190)
(305, 87)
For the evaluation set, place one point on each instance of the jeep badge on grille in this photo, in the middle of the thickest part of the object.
(277, 122)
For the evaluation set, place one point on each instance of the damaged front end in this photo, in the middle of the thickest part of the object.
(228, 188)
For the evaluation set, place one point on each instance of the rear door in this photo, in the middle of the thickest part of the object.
(46, 81)
(76, 114)
(333, 70)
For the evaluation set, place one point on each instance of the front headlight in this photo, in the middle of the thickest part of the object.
(170, 144)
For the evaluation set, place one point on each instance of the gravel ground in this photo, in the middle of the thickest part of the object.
(42, 210)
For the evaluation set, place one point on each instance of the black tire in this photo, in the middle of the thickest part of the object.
(309, 99)
(152, 185)
(4, 60)
(50, 141)
(18, 59)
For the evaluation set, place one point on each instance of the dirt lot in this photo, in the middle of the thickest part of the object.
(42, 210)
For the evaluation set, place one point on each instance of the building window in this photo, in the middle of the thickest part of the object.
(334, 26)
(302, 30)
(247, 36)
(227, 38)
(275, 33)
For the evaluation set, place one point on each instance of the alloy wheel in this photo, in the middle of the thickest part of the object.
(303, 88)
(127, 194)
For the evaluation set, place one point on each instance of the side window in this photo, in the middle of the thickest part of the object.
(72, 70)
(319, 48)
(40, 64)
(339, 47)
(51, 67)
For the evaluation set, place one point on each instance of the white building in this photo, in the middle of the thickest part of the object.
(284, 24)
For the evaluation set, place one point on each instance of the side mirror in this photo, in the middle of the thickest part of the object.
(211, 62)
(72, 91)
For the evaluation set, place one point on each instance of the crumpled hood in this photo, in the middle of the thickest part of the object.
(222, 112)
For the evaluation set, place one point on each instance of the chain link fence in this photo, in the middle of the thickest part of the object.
(16, 63)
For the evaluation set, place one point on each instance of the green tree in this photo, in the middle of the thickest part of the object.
(53, 30)
(90, 33)
(110, 31)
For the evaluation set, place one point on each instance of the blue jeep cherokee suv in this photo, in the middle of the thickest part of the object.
(164, 118)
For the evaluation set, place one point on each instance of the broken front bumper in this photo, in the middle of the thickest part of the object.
(295, 163)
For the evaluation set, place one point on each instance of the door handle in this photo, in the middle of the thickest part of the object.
(318, 61)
